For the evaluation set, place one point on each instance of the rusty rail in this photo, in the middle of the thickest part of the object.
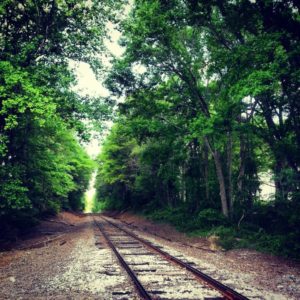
(226, 291)
(143, 293)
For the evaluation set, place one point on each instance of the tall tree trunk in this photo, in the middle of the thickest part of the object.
(229, 170)
(240, 179)
(221, 178)
(206, 173)
(166, 192)
(281, 192)
(182, 190)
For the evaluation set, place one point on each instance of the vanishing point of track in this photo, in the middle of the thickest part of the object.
(224, 290)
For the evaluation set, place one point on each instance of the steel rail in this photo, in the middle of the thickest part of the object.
(143, 293)
(226, 291)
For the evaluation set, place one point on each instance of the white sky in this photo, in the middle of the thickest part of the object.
(87, 83)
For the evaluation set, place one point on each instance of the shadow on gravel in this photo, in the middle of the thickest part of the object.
(49, 230)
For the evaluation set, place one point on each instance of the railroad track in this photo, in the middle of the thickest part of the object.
(158, 275)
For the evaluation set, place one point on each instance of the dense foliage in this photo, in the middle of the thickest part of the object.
(212, 101)
(43, 167)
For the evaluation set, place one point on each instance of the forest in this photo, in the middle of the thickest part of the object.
(43, 122)
(204, 101)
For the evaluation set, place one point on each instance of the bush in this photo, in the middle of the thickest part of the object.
(287, 245)
(208, 218)
(19, 222)
(185, 221)
(227, 236)
(179, 217)
(210, 222)
(53, 208)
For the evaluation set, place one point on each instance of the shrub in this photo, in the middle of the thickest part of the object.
(208, 218)
(53, 208)
(227, 236)
(179, 217)
(183, 220)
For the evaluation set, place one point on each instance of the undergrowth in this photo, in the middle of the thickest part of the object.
(279, 239)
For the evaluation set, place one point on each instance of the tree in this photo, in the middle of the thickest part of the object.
(42, 121)
(230, 90)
